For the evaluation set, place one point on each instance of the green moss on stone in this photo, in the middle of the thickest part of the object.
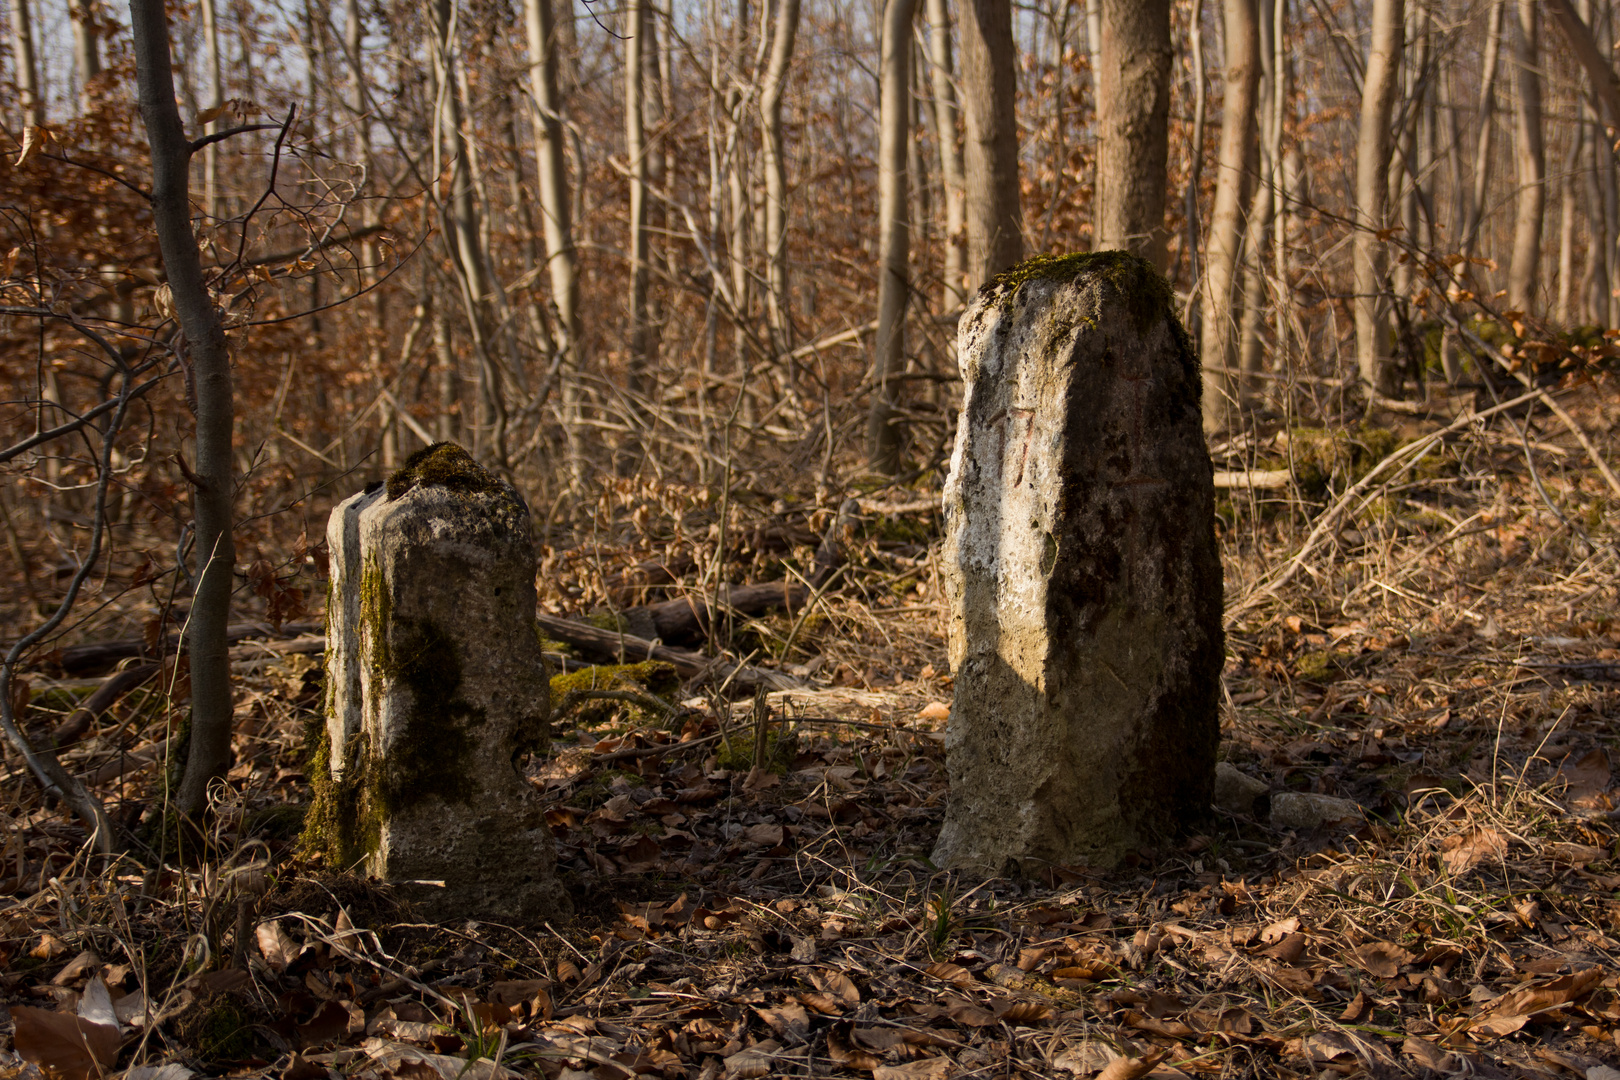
(1146, 292)
(445, 465)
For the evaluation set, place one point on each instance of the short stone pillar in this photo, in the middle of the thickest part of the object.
(435, 686)
(1081, 571)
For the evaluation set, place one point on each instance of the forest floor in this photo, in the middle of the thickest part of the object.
(1448, 659)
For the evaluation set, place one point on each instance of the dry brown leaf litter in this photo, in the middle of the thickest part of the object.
(1450, 671)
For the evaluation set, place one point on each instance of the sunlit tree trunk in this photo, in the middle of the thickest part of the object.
(1195, 167)
(86, 48)
(465, 234)
(1239, 127)
(27, 69)
(1483, 120)
(208, 754)
(1378, 91)
(1133, 145)
(883, 436)
(552, 169)
(1261, 209)
(1529, 157)
(1569, 298)
(770, 108)
(989, 96)
(952, 178)
(214, 98)
(635, 149)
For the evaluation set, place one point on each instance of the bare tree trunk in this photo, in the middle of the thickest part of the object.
(1195, 170)
(1134, 127)
(635, 149)
(552, 169)
(1568, 203)
(1605, 80)
(1530, 160)
(1261, 207)
(989, 96)
(1378, 90)
(1094, 51)
(86, 48)
(27, 73)
(210, 744)
(1487, 107)
(952, 178)
(214, 101)
(770, 109)
(883, 436)
(1239, 128)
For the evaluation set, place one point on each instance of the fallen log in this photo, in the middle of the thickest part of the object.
(100, 655)
(686, 618)
(89, 711)
(611, 647)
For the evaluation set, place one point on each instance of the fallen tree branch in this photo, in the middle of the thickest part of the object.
(89, 711)
(608, 646)
(99, 655)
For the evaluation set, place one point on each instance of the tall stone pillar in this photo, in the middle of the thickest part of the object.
(435, 686)
(1081, 571)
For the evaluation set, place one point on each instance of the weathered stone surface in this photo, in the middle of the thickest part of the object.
(1236, 791)
(435, 687)
(1082, 575)
(1306, 810)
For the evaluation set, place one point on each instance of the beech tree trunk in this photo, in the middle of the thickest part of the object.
(989, 96)
(27, 69)
(1530, 159)
(952, 177)
(770, 109)
(208, 752)
(215, 98)
(635, 149)
(883, 437)
(552, 169)
(1373, 142)
(1133, 124)
(86, 48)
(1487, 107)
(1239, 130)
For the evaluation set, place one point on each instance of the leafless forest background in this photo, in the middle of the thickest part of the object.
(688, 274)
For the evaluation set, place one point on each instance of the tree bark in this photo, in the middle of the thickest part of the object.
(635, 148)
(1605, 80)
(27, 73)
(552, 169)
(1487, 106)
(86, 48)
(213, 88)
(1195, 169)
(883, 436)
(1133, 144)
(1261, 210)
(1239, 128)
(952, 177)
(770, 109)
(210, 742)
(1530, 160)
(989, 96)
(1378, 90)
